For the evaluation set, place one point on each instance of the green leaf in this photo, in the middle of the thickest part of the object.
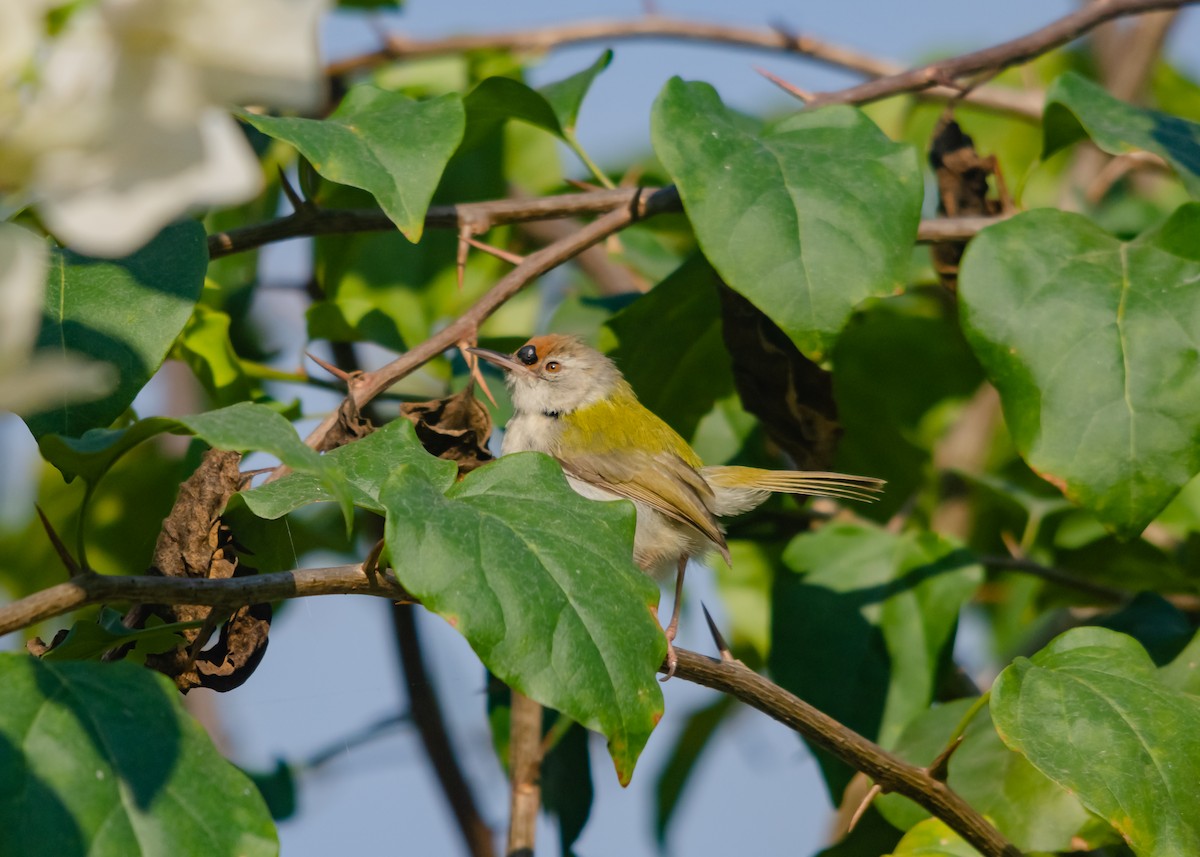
(933, 838)
(365, 465)
(1092, 344)
(1183, 673)
(126, 312)
(496, 100)
(1076, 107)
(102, 759)
(382, 142)
(241, 427)
(681, 376)
(1031, 810)
(542, 584)
(565, 96)
(806, 218)
(1091, 712)
(88, 639)
(208, 350)
(882, 609)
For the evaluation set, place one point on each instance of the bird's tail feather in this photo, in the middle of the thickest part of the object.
(812, 483)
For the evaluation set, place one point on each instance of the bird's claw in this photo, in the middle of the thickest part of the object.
(672, 662)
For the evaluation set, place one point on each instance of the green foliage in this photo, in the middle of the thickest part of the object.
(882, 609)
(556, 611)
(1098, 383)
(806, 217)
(382, 142)
(1077, 108)
(1091, 712)
(102, 759)
(125, 312)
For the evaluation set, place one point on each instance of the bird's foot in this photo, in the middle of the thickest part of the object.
(672, 661)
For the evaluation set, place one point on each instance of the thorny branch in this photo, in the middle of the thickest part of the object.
(998, 57)
(777, 38)
(729, 677)
(481, 215)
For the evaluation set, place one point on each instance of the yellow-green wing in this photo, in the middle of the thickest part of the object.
(663, 481)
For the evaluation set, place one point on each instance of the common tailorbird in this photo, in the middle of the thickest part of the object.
(571, 402)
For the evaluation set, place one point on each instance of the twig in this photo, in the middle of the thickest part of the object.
(1054, 575)
(1010, 53)
(778, 38)
(525, 765)
(729, 677)
(505, 211)
(371, 384)
(889, 772)
(478, 215)
(91, 588)
(426, 715)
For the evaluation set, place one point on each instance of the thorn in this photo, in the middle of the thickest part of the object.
(511, 258)
(939, 768)
(476, 375)
(370, 565)
(791, 89)
(632, 176)
(871, 794)
(1011, 545)
(722, 646)
(298, 202)
(582, 185)
(342, 375)
(73, 569)
(460, 258)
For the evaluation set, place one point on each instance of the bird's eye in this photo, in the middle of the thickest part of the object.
(553, 366)
(527, 354)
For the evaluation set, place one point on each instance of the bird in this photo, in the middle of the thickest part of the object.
(571, 402)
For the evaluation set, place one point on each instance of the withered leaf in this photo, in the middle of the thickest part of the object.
(456, 428)
(962, 177)
(791, 395)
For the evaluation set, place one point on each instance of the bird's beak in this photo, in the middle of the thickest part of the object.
(504, 361)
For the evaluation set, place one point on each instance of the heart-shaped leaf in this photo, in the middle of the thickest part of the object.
(883, 609)
(1092, 344)
(382, 142)
(542, 584)
(805, 218)
(102, 759)
(1091, 712)
(1076, 107)
(126, 312)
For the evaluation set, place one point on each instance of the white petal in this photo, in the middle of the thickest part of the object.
(23, 261)
(111, 201)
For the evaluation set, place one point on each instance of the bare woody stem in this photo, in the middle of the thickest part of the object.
(775, 39)
(998, 57)
(481, 215)
(732, 678)
(525, 764)
(889, 772)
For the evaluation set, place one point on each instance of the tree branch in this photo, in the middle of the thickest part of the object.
(889, 772)
(92, 588)
(367, 386)
(499, 212)
(997, 57)
(729, 677)
(777, 39)
(525, 771)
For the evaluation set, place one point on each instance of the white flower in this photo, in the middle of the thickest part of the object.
(32, 381)
(124, 127)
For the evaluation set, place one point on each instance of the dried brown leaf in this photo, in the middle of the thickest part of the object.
(456, 428)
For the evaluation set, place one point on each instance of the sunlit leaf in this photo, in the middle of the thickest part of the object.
(1092, 344)
(382, 142)
(542, 584)
(806, 217)
(1091, 712)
